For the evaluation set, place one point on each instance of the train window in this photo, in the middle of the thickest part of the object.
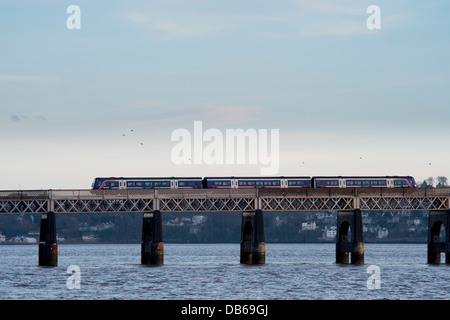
(187, 183)
(329, 182)
(296, 183)
(131, 184)
(221, 183)
(165, 184)
(272, 183)
(111, 184)
(147, 184)
(139, 184)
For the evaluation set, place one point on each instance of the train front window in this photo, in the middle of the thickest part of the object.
(97, 184)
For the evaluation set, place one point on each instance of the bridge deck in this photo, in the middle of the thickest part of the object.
(193, 200)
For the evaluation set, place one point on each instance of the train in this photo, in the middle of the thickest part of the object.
(253, 182)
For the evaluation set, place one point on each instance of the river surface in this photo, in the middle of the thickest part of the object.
(213, 272)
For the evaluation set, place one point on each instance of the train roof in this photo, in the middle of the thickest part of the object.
(354, 177)
(148, 178)
(269, 177)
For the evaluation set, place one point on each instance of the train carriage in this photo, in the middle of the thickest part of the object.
(256, 182)
(147, 183)
(366, 182)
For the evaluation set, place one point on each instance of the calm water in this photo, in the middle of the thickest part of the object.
(213, 271)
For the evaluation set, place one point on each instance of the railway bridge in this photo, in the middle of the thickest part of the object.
(151, 203)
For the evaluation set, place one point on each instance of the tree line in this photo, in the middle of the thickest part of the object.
(430, 182)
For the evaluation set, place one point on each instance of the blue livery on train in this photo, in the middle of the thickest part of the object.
(254, 182)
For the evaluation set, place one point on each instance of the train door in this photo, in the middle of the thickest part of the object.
(122, 184)
(234, 183)
(284, 183)
(174, 184)
(342, 183)
(390, 183)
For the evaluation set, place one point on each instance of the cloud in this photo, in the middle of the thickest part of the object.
(16, 118)
(36, 117)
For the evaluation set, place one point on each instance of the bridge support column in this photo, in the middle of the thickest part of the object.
(152, 246)
(353, 243)
(436, 245)
(253, 245)
(48, 247)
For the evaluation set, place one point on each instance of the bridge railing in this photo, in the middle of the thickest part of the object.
(24, 194)
(152, 193)
(223, 193)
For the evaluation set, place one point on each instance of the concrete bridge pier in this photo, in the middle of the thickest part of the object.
(253, 246)
(436, 245)
(48, 247)
(349, 238)
(152, 246)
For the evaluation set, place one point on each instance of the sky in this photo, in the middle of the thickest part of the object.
(105, 99)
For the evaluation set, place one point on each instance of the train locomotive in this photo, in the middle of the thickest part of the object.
(253, 182)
